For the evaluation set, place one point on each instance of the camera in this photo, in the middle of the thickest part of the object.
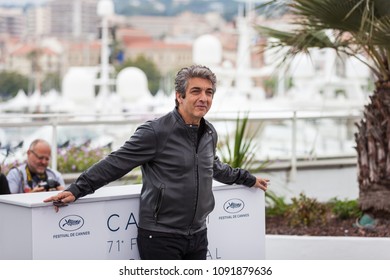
(49, 184)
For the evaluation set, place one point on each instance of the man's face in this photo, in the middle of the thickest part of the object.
(38, 158)
(197, 101)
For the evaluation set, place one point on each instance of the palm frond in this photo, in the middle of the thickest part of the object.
(353, 27)
(302, 40)
(381, 33)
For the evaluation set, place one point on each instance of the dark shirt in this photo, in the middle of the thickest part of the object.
(4, 189)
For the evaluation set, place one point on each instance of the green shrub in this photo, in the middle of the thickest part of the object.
(306, 211)
(241, 151)
(345, 209)
(275, 205)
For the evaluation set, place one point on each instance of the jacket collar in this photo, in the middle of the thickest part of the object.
(180, 118)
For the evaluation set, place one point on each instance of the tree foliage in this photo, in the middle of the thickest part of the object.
(51, 81)
(353, 27)
(11, 83)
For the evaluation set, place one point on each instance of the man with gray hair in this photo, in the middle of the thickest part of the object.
(177, 155)
(35, 175)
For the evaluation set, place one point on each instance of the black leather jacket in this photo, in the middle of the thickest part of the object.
(178, 167)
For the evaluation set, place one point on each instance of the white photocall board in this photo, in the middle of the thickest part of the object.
(103, 225)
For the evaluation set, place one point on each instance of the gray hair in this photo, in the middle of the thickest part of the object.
(38, 141)
(193, 71)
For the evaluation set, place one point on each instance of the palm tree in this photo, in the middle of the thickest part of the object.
(357, 28)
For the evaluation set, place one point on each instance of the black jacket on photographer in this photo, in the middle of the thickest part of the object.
(178, 165)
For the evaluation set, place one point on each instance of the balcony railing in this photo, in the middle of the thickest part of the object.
(282, 137)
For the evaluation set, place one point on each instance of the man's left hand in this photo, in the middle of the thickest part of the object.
(261, 183)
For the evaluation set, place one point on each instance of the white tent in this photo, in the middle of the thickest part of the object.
(19, 103)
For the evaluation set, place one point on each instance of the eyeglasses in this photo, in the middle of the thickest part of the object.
(40, 157)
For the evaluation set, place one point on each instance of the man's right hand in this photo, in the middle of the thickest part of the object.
(61, 199)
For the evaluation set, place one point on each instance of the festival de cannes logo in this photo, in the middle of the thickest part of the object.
(71, 223)
(233, 205)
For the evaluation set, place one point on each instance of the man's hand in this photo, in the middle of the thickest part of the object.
(261, 183)
(37, 189)
(59, 188)
(61, 199)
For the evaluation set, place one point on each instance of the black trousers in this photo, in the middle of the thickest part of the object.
(165, 246)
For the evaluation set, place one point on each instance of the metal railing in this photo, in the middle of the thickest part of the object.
(288, 119)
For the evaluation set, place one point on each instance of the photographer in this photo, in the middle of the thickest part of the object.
(35, 175)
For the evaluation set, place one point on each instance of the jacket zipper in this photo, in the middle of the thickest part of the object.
(196, 159)
(159, 200)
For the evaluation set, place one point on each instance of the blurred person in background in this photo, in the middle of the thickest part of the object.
(35, 175)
